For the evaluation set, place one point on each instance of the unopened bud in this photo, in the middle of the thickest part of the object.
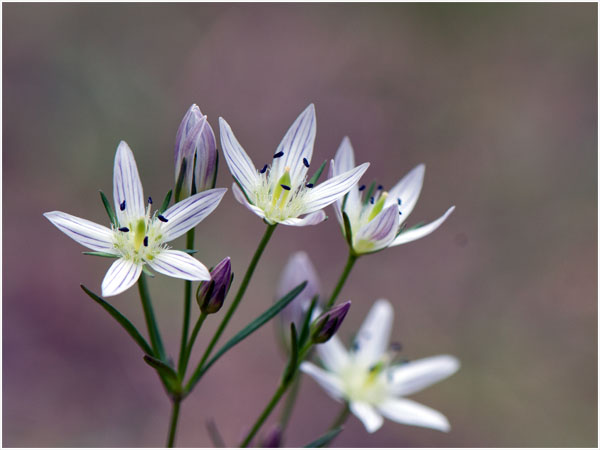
(328, 323)
(273, 438)
(211, 294)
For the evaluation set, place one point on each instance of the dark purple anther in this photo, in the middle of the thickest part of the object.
(310, 185)
(122, 205)
(380, 187)
(372, 200)
(264, 169)
(399, 202)
(306, 163)
(124, 229)
(362, 187)
(146, 241)
(162, 218)
(149, 200)
(278, 155)
(287, 188)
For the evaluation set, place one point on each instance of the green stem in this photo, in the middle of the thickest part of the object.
(288, 407)
(190, 345)
(263, 416)
(187, 303)
(173, 424)
(340, 284)
(259, 251)
(155, 339)
(341, 418)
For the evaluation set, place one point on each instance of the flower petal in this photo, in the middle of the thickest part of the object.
(373, 337)
(121, 275)
(408, 412)
(328, 381)
(87, 233)
(296, 145)
(239, 162)
(379, 232)
(240, 197)
(179, 265)
(127, 187)
(313, 218)
(329, 191)
(418, 233)
(188, 213)
(344, 161)
(206, 158)
(407, 190)
(370, 418)
(414, 376)
(333, 354)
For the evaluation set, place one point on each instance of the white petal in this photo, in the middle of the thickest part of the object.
(418, 233)
(344, 157)
(121, 276)
(127, 186)
(414, 376)
(337, 205)
(372, 339)
(407, 190)
(333, 354)
(344, 161)
(379, 232)
(310, 219)
(296, 145)
(239, 162)
(88, 234)
(179, 265)
(370, 418)
(408, 412)
(206, 158)
(188, 213)
(329, 191)
(240, 197)
(328, 381)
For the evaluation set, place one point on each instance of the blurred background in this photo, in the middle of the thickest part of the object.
(500, 103)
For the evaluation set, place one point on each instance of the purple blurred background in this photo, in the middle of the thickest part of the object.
(500, 103)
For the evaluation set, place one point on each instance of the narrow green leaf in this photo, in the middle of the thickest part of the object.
(102, 254)
(179, 183)
(248, 330)
(165, 203)
(317, 174)
(304, 330)
(109, 210)
(292, 365)
(126, 324)
(244, 192)
(369, 193)
(347, 228)
(161, 367)
(325, 439)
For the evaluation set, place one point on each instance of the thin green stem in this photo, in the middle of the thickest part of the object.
(263, 416)
(155, 339)
(259, 251)
(288, 407)
(187, 304)
(188, 350)
(340, 284)
(173, 424)
(341, 417)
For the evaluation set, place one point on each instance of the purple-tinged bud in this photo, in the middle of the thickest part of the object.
(211, 294)
(195, 142)
(328, 323)
(273, 438)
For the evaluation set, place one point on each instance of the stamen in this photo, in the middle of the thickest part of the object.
(162, 218)
(378, 206)
(124, 229)
(282, 190)
(400, 212)
(122, 205)
(380, 187)
(399, 202)
(372, 200)
(306, 163)
(264, 169)
(278, 155)
(149, 200)
(362, 187)
(287, 188)
(310, 185)
(146, 241)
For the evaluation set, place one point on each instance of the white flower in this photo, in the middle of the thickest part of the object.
(139, 237)
(376, 220)
(280, 194)
(366, 378)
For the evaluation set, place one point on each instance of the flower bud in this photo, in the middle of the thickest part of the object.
(195, 143)
(273, 438)
(298, 269)
(328, 323)
(211, 294)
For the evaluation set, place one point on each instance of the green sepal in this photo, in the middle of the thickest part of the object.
(162, 368)
(109, 210)
(245, 195)
(304, 330)
(347, 228)
(102, 254)
(248, 330)
(165, 203)
(325, 439)
(292, 365)
(317, 174)
(369, 193)
(189, 251)
(147, 271)
(179, 182)
(126, 324)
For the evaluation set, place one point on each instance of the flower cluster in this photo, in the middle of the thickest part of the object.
(369, 378)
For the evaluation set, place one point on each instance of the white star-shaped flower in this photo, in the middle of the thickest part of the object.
(376, 218)
(280, 193)
(139, 237)
(372, 384)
